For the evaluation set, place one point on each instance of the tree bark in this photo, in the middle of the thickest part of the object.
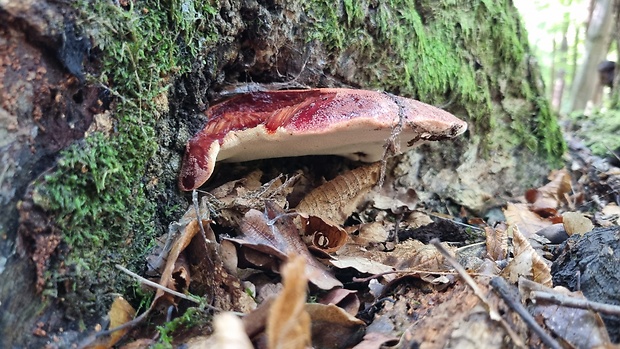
(597, 43)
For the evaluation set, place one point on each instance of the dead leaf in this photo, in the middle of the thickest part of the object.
(288, 324)
(526, 262)
(581, 328)
(332, 327)
(228, 333)
(376, 340)
(552, 193)
(343, 298)
(120, 313)
(361, 264)
(413, 254)
(577, 223)
(527, 221)
(496, 243)
(322, 234)
(275, 235)
(338, 198)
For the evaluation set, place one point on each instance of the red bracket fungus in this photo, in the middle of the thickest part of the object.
(329, 121)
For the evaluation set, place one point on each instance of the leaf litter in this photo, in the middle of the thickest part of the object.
(361, 275)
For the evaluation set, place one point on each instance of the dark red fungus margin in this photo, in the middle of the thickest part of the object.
(353, 123)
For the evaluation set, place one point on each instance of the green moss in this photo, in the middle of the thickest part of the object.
(599, 131)
(191, 318)
(445, 52)
(97, 191)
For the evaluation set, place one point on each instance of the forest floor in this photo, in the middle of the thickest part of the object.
(384, 271)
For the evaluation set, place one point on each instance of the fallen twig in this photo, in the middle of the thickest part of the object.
(493, 313)
(511, 297)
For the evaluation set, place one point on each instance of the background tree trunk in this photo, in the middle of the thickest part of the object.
(597, 43)
(69, 218)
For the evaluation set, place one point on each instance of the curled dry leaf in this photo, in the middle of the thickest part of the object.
(526, 262)
(338, 198)
(496, 243)
(275, 234)
(322, 234)
(288, 324)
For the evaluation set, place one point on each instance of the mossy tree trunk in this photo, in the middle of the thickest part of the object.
(122, 127)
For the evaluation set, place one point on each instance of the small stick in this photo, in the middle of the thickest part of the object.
(573, 302)
(510, 297)
(158, 286)
(537, 292)
(493, 313)
(197, 209)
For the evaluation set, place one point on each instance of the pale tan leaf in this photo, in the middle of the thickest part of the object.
(526, 262)
(576, 223)
(363, 265)
(338, 198)
(229, 333)
(529, 222)
(288, 324)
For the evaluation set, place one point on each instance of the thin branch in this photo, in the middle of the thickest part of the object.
(158, 286)
(511, 298)
(493, 313)
(573, 302)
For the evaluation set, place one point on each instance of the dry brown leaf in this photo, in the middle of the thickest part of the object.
(345, 299)
(577, 223)
(234, 198)
(371, 234)
(333, 327)
(552, 193)
(322, 234)
(529, 222)
(274, 234)
(526, 262)
(497, 243)
(413, 254)
(376, 340)
(338, 198)
(288, 324)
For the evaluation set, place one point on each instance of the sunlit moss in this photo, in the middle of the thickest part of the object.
(446, 53)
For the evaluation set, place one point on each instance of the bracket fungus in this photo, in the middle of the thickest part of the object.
(357, 124)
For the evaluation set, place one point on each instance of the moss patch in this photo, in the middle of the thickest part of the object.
(446, 53)
(98, 192)
(599, 131)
